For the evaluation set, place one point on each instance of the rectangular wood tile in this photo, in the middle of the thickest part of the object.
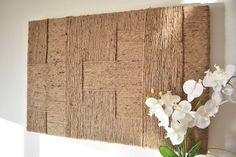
(110, 75)
(37, 42)
(57, 40)
(36, 96)
(196, 54)
(163, 63)
(74, 83)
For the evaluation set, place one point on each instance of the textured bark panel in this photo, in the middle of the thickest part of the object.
(99, 35)
(36, 96)
(88, 76)
(74, 71)
(37, 41)
(163, 63)
(128, 131)
(36, 121)
(130, 45)
(196, 54)
(57, 39)
(56, 78)
(129, 103)
(98, 115)
(112, 75)
(131, 21)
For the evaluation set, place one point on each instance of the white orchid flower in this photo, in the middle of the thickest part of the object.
(209, 81)
(188, 121)
(219, 77)
(153, 104)
(217, 98)
(211, 108)
(230, 71)
(183, 108)
(176, 132)
(202, 118)
(162, 117)
(169, 100)
(150, 102)
(193, 89)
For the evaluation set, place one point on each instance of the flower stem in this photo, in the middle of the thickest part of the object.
(201, 99)
(231, 79)
(184, 145)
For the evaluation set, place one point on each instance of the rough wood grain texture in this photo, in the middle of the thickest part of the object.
(56, 79)
(88, 76)
(99, 35)
(163, 63)
(37, 41)
(196, 53)
(57, 39)
(112, 75)
(130, 35)
(36, 96)
(128, 131)
(36, 121)
(74, 74)
(98, 115)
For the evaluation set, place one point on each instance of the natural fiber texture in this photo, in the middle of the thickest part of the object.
(88, 76)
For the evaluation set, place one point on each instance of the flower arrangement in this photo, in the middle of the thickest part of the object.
(178, 116)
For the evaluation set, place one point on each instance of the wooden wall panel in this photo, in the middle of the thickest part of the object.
(163, 62)
(37, 41)
(196, 32)
(56, 78)
(88, 76)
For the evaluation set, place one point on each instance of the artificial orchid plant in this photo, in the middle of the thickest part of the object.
(178, 116)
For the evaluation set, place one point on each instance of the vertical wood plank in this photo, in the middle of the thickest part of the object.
(37, 42)
(99, 35)
(74, 74)
(98, 113)
(57, 39)
(196, 53)
(130, 50)
(36, 95)
(56, 78)
(163, 63)
(36, 98)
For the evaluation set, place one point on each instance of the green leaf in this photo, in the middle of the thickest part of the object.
(167, 152)
(194, 150)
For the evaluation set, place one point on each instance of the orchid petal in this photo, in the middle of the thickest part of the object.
(151, 101)
(185, 105)
(188, 86)
(211, 108)
(202, 122)
(198, 90)
(230, 70)
(228, 90)
(177, 115)
(190, 97)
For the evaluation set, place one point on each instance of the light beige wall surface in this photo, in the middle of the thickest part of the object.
(14, 17)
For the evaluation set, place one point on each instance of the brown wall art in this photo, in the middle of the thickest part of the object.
(88, 76)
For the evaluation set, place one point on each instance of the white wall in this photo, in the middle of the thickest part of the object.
(14, 17)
